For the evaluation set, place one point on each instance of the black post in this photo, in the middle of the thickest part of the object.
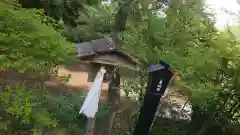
(158, 80)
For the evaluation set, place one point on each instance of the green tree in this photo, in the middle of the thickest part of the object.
(34, 50)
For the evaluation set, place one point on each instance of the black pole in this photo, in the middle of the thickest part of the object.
(158, 80)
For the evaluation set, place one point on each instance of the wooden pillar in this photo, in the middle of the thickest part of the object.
(90, 126)
(113, 98)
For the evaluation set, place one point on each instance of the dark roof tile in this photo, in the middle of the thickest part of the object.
(99, 46)
(85, 49)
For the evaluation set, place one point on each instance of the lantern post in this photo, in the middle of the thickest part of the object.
(158, 80)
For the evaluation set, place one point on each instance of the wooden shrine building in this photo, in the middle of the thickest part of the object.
(93, 54)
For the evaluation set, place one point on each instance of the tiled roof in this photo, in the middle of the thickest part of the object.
(100, 46)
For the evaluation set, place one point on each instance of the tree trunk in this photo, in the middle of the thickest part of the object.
(113, 98)
(121, 19)
(114, 90)
(90, 125)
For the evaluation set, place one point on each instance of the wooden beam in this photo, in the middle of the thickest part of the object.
(114, 60)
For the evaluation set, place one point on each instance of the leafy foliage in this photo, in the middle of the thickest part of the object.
(28, 47)
(28, 44)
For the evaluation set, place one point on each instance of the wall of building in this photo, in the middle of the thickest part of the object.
(78, 81)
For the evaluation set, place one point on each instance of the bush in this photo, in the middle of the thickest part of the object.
(29, 46)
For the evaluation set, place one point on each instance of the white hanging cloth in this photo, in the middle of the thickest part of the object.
(90, 105)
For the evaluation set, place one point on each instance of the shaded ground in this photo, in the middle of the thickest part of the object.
(170, 114)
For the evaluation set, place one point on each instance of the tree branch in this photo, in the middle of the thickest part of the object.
(121, 19)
